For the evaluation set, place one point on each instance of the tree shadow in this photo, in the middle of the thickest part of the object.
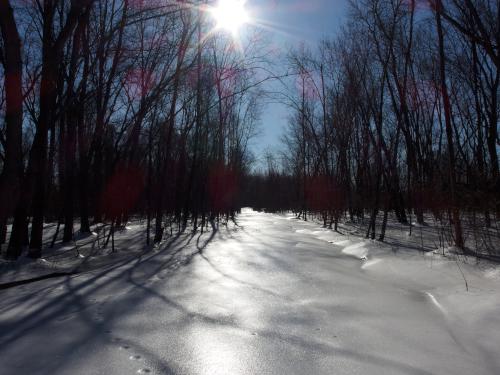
(82, 286)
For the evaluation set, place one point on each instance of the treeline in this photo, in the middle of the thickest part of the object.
(119, 107)
(270, 189)
(399, 113)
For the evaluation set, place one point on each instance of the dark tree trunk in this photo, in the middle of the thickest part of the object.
(384, 225)
(10, 179)
(459, 241)
(38, 155)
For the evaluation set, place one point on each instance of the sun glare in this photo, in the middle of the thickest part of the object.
(230, 15)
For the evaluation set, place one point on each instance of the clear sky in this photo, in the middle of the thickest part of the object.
(292, 22)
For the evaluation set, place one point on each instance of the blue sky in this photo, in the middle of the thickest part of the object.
(294, 22)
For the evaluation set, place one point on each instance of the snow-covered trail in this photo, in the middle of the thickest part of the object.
(271, 296)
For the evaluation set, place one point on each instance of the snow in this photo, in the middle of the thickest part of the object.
(357, 250)
(273, 295)
(84, 253)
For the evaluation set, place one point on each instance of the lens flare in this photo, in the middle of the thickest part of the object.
(230, 15)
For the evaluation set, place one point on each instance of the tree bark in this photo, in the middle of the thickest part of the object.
(10, 179)
(459, 241)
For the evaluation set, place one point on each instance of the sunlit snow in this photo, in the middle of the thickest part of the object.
(273, 295)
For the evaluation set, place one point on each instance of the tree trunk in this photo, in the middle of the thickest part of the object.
(459, 241)
(10, 179)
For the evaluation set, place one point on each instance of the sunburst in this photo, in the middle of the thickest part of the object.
(230, 15)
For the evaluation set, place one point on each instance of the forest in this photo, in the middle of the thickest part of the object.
(398, 114)
(249, 187)
(114, 109)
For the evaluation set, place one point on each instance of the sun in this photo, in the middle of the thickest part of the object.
(230, 15)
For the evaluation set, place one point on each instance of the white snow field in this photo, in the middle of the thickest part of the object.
(272, 295)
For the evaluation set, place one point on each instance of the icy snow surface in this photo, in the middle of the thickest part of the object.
(272, 295)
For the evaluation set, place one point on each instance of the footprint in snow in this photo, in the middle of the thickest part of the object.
(134, 357)
(125, 347)
(144, 371)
